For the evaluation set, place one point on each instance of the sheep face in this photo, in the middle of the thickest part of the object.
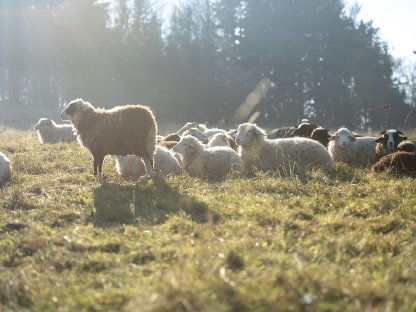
(44, 123)
(343, 137)
(74, 110)
(391, 139)
(187, 146)
(247, 132)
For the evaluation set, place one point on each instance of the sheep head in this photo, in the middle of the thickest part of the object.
(44, 123)
(391, 139)
(247, 133)
(343, 137)
(187, 146)
(74, 110)
(195, 132)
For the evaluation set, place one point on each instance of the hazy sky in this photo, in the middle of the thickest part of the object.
(396, 21)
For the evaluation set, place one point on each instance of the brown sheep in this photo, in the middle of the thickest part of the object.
(321, 135)
(167, 144)
(121, 131)
(406, 147)
(400, 163)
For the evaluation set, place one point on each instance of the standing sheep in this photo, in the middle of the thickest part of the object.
(281, 155)
(207, 162)
(5, 169)
(345, 147)
(122, 130)
(50, 132)
(132, 166)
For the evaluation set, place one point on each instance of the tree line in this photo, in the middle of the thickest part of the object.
(309, 58)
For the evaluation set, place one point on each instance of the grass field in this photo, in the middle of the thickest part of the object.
(345, 242)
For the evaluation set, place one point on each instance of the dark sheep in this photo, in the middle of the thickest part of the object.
(406, 147)
(388, 141)
(122, 130)
(303, 130)
(399, 163)
(321, 135)
(280, 133)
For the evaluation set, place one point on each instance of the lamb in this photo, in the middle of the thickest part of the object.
(50, 132)
(122, 130)
(400, 163)
(345, 147)
(321, 135)
(132, 166)
(388, 142)
(190, 125)
(206, 162)
(5, 169)
(281, 155)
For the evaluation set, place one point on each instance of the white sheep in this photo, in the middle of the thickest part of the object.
(219, 139)
(207, 162)
(282, 155)
(189, 125)
(5, 169)
(132, 166)
(344, 147)
(195, 132)
(212, 131)
(50, 132)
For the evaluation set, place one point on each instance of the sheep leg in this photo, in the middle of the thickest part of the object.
(100, 167)
(148, 164)
(95, 165)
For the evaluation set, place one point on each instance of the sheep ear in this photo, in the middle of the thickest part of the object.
(403, 138)
(399, 132)
(383, 132)
(379, 140)
(258, 131)
(333, 138)
(353, 138)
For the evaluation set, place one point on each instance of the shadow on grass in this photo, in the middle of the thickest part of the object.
(151, 204)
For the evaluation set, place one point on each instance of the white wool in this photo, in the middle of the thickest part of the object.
(344, 147)
(208, 162)
(132, 166)
(282, 155)
(201, 136)
(219, 139)
(189, 125)
(5, 169)
(50, 132)
(212, 131)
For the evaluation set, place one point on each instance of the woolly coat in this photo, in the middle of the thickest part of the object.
(50, 132)
(207, 162)
(361, 152)
(5, 169)
(401, 163)
(284, 155)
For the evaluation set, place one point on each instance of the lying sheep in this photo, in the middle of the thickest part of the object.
(280, 133)
(406, 147)
(321, 135)
(190, 125)
(206, 162)
(132, 166)
(281, 155)
(50, 132)
(219, 139)
(388, 142)
(212, 131)
(195, 132)
(5, 169)
(304, 130)
(345, 147)
(400, 163)
(122, 130)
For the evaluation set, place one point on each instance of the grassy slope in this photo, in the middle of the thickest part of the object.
(68, 242)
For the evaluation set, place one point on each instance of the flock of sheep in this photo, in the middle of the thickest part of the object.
(130, 133)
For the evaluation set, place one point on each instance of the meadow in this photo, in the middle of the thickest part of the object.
(343, 242)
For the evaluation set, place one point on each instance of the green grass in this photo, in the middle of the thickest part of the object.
(345, 242)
